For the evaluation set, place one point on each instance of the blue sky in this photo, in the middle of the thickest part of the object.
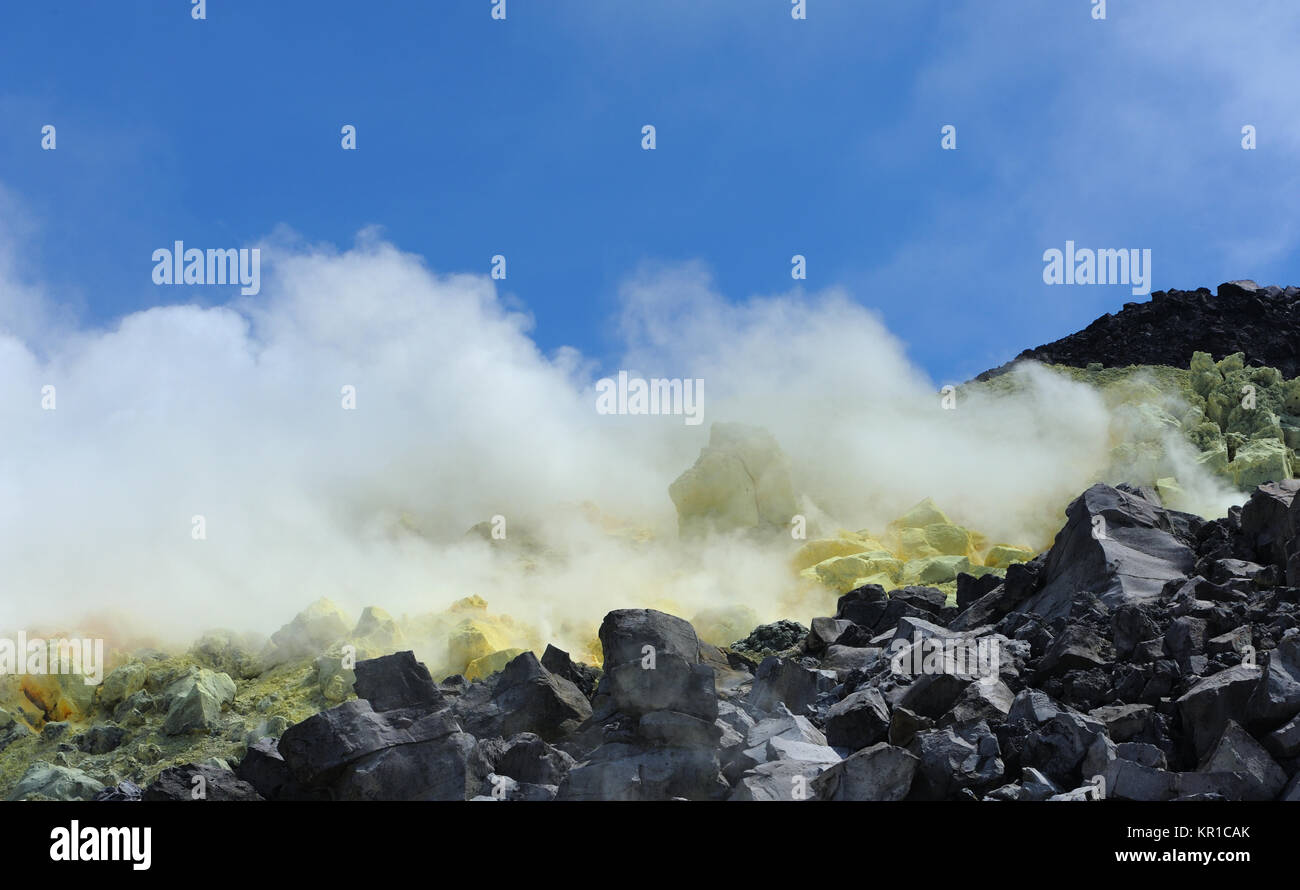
(775, 137)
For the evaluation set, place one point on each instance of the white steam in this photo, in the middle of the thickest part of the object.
(235, 414)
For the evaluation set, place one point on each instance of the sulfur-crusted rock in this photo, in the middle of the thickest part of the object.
(310, 633)
(44, 781)
(740, 481)
(195, 701)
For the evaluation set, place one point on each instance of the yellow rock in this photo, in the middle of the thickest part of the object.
(822, 549)
(489, 664)
(1002, 555)
(913, 543)
(474, 603)
(923, 514)
(472, 639)
(949, 540)
(841, 571)
(935, 569)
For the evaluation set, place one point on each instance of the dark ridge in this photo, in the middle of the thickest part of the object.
(1262, 322)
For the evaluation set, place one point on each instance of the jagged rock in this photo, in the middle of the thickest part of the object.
(824, 632)
(195, 781)
(1021, 582)
(1060, 744)
(1125, 723)
(528, 759)
(676, 728)
(858, 721)
(44, 781)
(904, 725)
(1185, 637)
(843, 659)
(122, 792)
(1143, 754)
(1284, 742)
(954, 758)
(446, 768)
(1130, 625)
(622, 771)
(317, 749)
(558, 662)
(778, 780)
(1075, 649)
(1237, 752)
(195, 701)
(932, 695)
(1235, 641)
(784, 680)
(532, 699)
(971, 588)
(397, 681)
(264, 769)
(1252, 695)
(791, 733)
(983, 700)
(1032, 706)
(882, 772)
(924, 599)
(1116, 546)
(672, 685)
(625, 634)
(124, 682)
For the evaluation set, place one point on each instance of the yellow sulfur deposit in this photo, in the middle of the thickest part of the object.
(488, 665)
(921, 547)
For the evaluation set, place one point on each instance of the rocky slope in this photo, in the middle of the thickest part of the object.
(1263, 323)
(1147, 655)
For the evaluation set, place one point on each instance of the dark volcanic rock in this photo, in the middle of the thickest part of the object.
(396, 681)
(882, 772)
(1115, 546)
(199, 782)
(621, 771)
(558, 662)
(625, 634)
(860, 720)
(122, 792)
(532, 699)
(528, 759)
(769, 639)
(786, 681)
(101, 739)
(447, 768)
(320, 747)
(1264, 323)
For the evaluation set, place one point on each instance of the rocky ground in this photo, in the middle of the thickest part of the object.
(1261, 322)
(1147, 655)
